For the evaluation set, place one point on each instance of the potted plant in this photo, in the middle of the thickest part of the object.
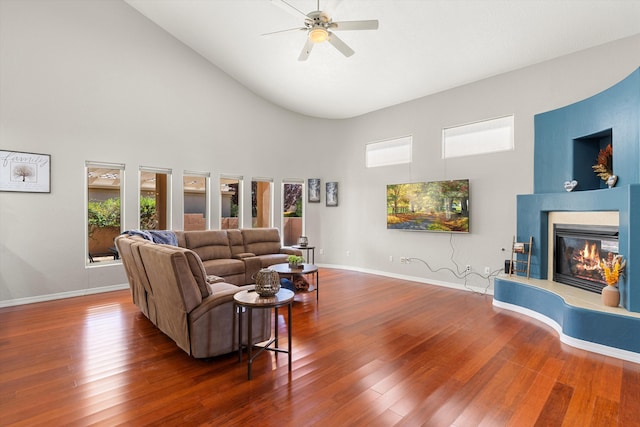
(295, 261)
(612, 269)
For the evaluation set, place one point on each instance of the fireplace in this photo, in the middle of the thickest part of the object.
(578, 251)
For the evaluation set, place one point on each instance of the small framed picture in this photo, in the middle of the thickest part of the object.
(314, 190)
(332, 194)
(25, 172)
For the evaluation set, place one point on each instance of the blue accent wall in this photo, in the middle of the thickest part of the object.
(556, 132)
(566, 140)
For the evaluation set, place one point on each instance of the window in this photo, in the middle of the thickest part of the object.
(230, 207)
(389, 152)
(483, 137)
(292, 211)
(195, 187)
(104, 210)
(261, 202)
(155, 198)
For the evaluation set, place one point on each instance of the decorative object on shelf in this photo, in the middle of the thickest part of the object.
(520, 265)
(611, 181)
(570, 185)
(612, 269)
(604, 167)
(25, 172)
(303, 241)
(295, 261)
(267, 282)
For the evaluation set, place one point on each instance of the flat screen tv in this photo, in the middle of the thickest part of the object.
(429, 206)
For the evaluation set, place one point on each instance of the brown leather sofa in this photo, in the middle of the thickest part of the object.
(170, 286)
(236, 255)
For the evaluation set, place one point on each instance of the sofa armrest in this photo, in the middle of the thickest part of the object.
(251, 266)
(243, 255)
(214, 279)
(290, 251)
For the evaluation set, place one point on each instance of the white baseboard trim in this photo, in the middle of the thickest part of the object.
(62, 295)
(462, 287)
(82, 292)
(573, 342)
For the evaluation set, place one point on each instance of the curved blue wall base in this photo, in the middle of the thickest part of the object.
(597, 331)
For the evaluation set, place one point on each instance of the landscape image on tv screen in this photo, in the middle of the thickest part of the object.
(429, 206)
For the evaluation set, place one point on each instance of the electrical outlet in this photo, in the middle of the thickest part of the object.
(321, 251)
(467, 269)
(348, 253)
(487, 271)
(390, 258)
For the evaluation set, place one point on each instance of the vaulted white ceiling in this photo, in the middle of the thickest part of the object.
(421, 47)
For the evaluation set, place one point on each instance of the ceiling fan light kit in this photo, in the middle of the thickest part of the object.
(318, 35)
(318, 23)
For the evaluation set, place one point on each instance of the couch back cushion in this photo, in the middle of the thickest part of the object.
(197, 269)
(235, 242)
(208, 244)
(175, 290)
(261, 241)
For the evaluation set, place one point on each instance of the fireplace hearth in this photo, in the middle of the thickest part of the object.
(578, 251)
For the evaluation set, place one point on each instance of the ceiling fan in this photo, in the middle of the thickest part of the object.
(320, 27)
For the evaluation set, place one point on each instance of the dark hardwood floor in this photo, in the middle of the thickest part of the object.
(373, 351)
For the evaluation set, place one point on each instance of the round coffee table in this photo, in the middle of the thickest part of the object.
(250, 300)
(285, 270)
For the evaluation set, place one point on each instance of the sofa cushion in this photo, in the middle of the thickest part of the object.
(261, 241)
(236, 242)
(199, 273)
(208, 244)
(223, 267)
(271, 259)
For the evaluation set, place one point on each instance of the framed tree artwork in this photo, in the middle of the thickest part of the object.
(314, 190)
(25, 172)
(332, 194)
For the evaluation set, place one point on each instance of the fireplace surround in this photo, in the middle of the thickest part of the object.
(565, 142)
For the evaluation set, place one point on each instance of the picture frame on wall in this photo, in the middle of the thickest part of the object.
(314, 190)
(25, 172)
(332, 194)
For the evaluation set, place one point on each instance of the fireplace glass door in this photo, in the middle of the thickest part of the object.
(578, 252)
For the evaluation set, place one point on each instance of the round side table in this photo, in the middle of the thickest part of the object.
(247, 301)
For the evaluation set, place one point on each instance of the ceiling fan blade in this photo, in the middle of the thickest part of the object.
(287, 7)
(340, 45)
(306, 50)
(355, 25)
(284, 31)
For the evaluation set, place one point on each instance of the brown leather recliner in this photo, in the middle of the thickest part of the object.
(193, 309)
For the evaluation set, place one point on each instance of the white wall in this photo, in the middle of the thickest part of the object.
(97, 81)
(495, 179)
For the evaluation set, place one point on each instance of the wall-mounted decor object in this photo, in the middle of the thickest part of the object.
(314, 190)
(441, 206)
(25, 172)
(332, 194)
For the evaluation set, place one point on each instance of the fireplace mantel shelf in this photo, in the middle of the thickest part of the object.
(579, 316)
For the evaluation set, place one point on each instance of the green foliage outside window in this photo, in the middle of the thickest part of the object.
(148, 217)
(105, 213)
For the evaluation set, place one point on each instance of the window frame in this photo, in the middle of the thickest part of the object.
(388, 146)
(122, 177)
(475, 130)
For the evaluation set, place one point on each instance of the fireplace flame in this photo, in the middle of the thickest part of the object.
(589, 256)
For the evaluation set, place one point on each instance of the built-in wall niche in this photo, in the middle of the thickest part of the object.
(585, 156)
